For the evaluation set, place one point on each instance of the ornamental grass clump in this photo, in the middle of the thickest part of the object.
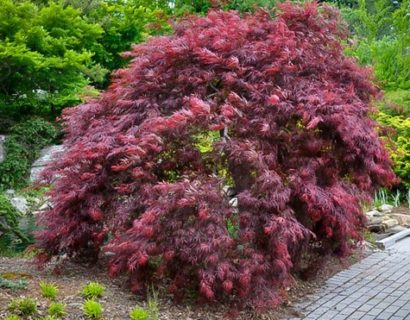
(287, 118)
(93, 290)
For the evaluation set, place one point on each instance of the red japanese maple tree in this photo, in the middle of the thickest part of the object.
(285, 116)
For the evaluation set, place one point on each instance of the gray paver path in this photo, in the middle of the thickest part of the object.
(376, 288)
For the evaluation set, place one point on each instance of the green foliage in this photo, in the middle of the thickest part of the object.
(23, 306)
(48, 290)
(57, 309)
(250, 5)
(398, 101)
(400, 147)
(138, 313)
(92, 309)
(382, 39)
(93, 290)
(22, 146)
(204, 141)
(46, 54)
(152, 305)
(233, 228)
(124, 23)
(9, 229)
(51, 50)
(10, 284)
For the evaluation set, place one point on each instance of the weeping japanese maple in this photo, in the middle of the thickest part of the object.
(269, 107)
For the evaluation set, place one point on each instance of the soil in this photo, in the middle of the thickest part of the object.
(118, 301)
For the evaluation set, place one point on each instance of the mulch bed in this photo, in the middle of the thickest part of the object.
(118, 301)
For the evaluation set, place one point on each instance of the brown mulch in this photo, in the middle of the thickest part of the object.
(118, 301)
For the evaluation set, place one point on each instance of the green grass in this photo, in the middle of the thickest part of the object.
(48, 290)
(93, 290)
(92, 309)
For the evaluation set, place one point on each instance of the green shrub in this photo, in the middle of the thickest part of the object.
(56, 309)
(45, 54)
(10, 232)
(48, 290)
(398, 102)
(22, 146)
(93, 290)
(400, 147)
(12, 317)
(381, 38)
(23, 306)
(92, 309)
(138, 313)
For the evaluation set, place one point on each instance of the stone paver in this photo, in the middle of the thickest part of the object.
(376, 288)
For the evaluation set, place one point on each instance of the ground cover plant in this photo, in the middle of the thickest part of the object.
(286, 117)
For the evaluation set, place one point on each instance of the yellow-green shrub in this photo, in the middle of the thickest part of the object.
(400, 146)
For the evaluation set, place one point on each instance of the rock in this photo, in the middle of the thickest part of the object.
(390, 223)
(233, 202)
(229, 191)
(2, 151)
(20, 204)
(47, 155)
(397, 229)
(374, 217)
(10, 193)
(374, 214)
(386, 208)
(374, 221)
(403, 219)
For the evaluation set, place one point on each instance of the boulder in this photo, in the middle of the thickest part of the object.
(47, 155)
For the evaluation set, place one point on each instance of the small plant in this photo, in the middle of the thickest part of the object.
(92, 309)
(138, 313)
(396, 199)
(408, 198)
(93, 290)
(48, 290)
(9, 284)
(56, 309)
(12, 317)
(380, 197)
(23, 306)
(153, 305)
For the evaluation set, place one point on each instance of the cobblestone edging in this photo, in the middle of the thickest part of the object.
(376, 288)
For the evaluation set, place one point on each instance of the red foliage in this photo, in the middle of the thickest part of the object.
(297, 145)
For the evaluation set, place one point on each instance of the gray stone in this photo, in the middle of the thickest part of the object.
(2, 151)
(20, 204)
(386, 208)
(390, 223)
(47, 155)
(403, 219)
(374, 214)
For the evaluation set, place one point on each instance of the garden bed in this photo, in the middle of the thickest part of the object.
(118, 301)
